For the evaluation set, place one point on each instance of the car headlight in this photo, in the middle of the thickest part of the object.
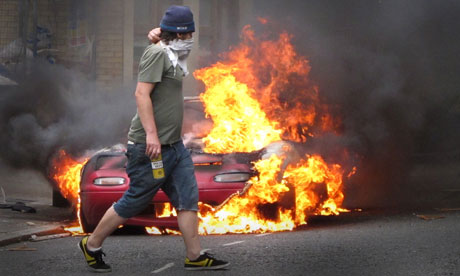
(109, 181)
(232, 177)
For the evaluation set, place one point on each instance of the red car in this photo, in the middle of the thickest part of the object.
(104, 180)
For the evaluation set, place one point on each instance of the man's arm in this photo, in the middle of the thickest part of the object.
(145, 111)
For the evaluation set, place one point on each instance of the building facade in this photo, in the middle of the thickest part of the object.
(105, 39)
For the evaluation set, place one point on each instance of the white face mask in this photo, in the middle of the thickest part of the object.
(178, 51)
(182, 47)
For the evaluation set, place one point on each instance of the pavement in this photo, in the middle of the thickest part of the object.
(18, 226)
(33, 190)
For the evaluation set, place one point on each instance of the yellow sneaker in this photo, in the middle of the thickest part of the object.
(205, 262)
(94, 258)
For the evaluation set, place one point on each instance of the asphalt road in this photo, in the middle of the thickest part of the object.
(363, 243)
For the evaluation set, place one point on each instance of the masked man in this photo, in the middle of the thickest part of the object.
(154, 143)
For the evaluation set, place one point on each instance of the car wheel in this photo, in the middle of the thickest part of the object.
(59, 200)
(87, 228)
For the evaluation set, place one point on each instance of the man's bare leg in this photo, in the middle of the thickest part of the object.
(188, 225)
(109, 223)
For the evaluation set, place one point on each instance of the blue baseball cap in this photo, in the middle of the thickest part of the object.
(178, 19)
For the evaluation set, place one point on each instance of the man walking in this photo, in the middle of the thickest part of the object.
(154, 143)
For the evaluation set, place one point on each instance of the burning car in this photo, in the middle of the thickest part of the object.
(264, 111)
(104, 180)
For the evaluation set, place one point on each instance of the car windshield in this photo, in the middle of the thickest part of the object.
(105, 162)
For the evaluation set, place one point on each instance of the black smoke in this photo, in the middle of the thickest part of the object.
(54, 108)
(390, 70)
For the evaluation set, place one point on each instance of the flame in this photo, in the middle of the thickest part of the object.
(250, 129)
(312, 171)
(261, 94)
(156, 231)
(65, 172)
(262, 20)
(164, 210)
(245, 213)
(153, 230)
(241, 214)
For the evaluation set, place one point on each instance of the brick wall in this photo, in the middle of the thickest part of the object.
(8, 21)
(109, 43)
(9, 24)
(105, 20)
(53, 15)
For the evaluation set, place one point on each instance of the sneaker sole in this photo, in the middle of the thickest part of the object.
(93, 269)
(216, 267)
(99, 270)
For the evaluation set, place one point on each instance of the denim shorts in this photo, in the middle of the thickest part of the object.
(178, 183)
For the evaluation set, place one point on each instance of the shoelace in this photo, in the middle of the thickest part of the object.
(98, 256)
(208, 255)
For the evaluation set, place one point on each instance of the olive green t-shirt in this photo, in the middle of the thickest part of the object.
(167, 99)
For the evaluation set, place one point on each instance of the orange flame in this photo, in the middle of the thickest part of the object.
(153, 230)
(259, 95)
(248, 131)
(164, 210)
(156, 231)
(245, 213)
(262, 20)
(241, 214)
(65, 172)
(304, 176)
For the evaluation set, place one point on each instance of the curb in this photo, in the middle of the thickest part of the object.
(25, 235)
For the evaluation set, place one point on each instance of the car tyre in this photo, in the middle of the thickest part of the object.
(87, 228)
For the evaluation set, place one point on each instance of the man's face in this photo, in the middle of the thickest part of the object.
(184, 36)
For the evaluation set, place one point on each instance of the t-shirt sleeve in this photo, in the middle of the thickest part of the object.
(151, 65)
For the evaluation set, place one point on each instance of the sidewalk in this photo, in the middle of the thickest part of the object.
(33, 189)
(17, 226)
